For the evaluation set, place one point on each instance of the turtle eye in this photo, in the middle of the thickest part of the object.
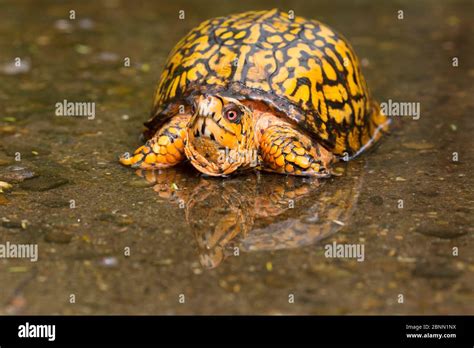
(233, 115)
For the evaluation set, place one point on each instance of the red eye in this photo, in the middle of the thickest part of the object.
(232, 115)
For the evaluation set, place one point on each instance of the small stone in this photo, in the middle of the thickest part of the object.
(376, 200)
(440, 231)
(10, 224)
(16, 174)
(399, 178)
(43, 183)
(5, 186)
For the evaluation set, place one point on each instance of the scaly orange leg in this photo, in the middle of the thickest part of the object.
(285, 150)
(164, 149)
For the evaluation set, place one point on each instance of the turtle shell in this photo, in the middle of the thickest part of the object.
(299, 67)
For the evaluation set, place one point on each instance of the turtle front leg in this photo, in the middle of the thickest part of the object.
(164, 149)
(285, 150)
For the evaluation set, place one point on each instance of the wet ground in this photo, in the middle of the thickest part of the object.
(114, 241)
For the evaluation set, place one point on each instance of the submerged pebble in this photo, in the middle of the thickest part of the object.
(56, 236)
(441, 231)
(7, 223)
(43, 183)
(16, 174)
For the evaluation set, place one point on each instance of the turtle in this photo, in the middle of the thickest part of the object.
(260, 89)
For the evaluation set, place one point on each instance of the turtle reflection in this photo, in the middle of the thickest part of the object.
(257, 211)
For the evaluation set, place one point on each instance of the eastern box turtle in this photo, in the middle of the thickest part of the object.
(260, 89)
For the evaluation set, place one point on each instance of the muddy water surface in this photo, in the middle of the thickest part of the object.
(244, 244)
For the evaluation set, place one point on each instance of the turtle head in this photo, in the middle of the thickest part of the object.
(220, 136)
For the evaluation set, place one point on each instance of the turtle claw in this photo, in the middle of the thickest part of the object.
(142, 158)
(134, 161)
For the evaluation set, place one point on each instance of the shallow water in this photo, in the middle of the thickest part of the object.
(243, 244)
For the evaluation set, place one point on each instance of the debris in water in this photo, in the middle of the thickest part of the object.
(15, 68)
(4, 186)
(269, 266)
(109, 261)
(63, 25)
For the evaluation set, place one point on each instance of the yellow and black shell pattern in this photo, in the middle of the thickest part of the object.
(299, 67)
